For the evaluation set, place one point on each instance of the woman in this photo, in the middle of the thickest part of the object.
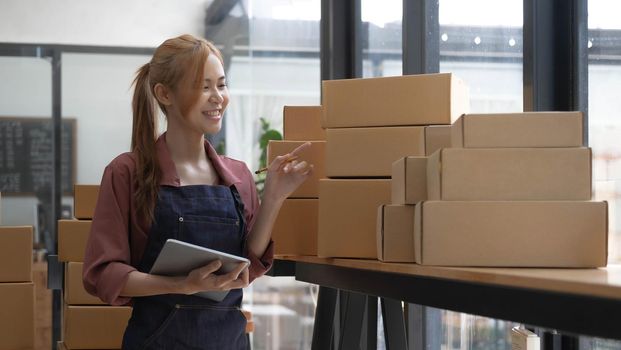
(178, 187)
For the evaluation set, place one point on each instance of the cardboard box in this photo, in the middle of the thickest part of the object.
(509, 174)
(16, 254)
(95, 327)
(347, 216)
(295, 229)
(409, 180)
(437, 137)
(395, 233)
(74, 292)
(303, 123)
(84, 200)
(422, 99)
(72, 238)
(370, 152)
(511, 234)
(17, 320)
(532, 129)
(315, 154)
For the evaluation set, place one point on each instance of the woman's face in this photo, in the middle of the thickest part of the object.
(206, 114)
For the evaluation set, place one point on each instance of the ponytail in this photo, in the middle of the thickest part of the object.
(143, 144)
(177, 64)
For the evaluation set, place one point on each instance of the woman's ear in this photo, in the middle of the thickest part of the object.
(162, 94)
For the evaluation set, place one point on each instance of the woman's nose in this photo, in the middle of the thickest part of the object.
(216, 96)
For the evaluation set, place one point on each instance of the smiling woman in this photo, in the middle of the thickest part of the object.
(177, 186)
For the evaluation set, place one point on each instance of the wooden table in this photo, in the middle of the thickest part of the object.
(573, 301)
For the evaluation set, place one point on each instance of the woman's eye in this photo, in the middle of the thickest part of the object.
(222, 86)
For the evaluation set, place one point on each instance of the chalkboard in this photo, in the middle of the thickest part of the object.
(26, 159)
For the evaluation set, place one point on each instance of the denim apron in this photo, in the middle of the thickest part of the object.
(209, 216)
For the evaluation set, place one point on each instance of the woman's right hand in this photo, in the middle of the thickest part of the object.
(204, 279)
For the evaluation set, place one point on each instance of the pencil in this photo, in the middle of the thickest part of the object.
(290, 159)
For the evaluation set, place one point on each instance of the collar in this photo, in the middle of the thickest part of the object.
(169, 171)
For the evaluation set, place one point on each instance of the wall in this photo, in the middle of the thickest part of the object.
(108, 23)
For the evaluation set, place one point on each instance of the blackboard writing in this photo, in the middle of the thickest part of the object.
(26, 159)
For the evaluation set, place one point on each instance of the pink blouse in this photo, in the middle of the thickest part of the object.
(118, 235)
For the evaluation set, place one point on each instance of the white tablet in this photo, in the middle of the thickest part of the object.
(179, 258)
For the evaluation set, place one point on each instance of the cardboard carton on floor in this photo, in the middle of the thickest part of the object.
(295, 229)
(72, 238)
(15, 254)
(395, 233)
(409, 180)
(95, 327)
(315, 154)
(84, 200)
(511, 234)
(347, 216)
(370, 152)
(74, 292)
(509, 174)
(17, 320)
(423, 99)
(303, 123)
(511, 130)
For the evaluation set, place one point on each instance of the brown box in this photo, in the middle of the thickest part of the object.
(72, 238)
(509, 174)
(511, 234)
(84, 200)
(17, 320)
(16, 254)
(74, 292)
(295, 229)
(422, 99)
(315, 154)
(347, 216)
(436, 137)
(303, 123)
(370, 152)
(409, 180)
(95, 327)
(533, 129)
(395, 233)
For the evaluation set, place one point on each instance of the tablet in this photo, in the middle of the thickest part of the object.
(179, 258)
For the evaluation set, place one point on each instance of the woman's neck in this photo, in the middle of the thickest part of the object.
(184, 146)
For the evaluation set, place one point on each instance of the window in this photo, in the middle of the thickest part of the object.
(604, 48)
(381, 38)
(481, 42)
(273, 62)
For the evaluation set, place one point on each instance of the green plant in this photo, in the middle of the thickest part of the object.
(267, 134)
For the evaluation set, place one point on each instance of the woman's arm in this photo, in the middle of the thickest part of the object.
(282, 179)
(201, 279)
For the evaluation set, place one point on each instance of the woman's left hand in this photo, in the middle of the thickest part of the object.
(285, 177)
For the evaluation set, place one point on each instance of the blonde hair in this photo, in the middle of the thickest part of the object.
(178, 64)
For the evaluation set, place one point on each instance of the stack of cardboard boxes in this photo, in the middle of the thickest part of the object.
(295, 229)
(16, 288)
(87, 322)
(513, 190)
(370, 123)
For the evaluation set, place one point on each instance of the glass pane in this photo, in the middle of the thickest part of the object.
(604, 112)
(465, 332)
(381, 38)
(273, 64)
(481, 42)
(97, 93)
(25, 123)
(26, 165)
